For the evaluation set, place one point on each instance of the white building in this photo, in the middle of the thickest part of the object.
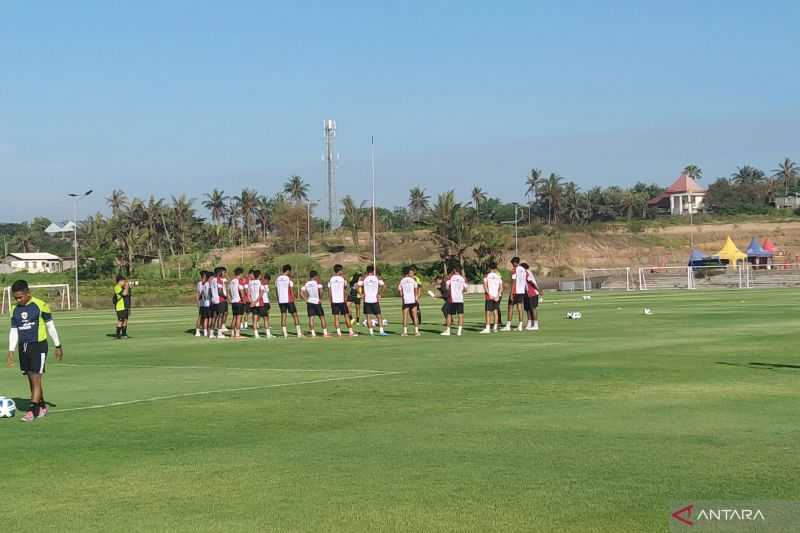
(683, 197)
(34, 262)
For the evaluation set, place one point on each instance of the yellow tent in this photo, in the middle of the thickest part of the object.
(731, 252)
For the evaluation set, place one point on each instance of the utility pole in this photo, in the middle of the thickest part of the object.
(76, 198)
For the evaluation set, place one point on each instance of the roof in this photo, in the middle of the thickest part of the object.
(69, 226)
(684, 184)
(658, 199)
(769, 246)
(754, 249)
(53, 228)
(731, 252)
(37, 256)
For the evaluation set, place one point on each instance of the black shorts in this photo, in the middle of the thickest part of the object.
(237, 308)
(32, 357)
(204, 312)
(288, 308)
(518, 298)
(259, 310)
(410, 306)
(340, 309)
(123, 315)
(315, 310)
(455, 308)
(354, 299)
(491, 306)
(265, 309)
(531, 302)
(222, 308)
(372, 308)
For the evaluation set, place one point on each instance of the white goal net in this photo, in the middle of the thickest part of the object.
(669, 277)
(608, 279)
(57, 296)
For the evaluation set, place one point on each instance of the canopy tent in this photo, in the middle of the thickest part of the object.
(730, 252)
(769, 246)
(696, 257)
(754, 249)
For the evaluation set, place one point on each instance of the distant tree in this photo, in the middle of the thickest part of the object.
(551, 193)
(747, 175)
(787, 172)
(693, 171)
(477, 195)
(117, 201)
(418, 203)
(296, 189)
(216, 203)
(353, 217)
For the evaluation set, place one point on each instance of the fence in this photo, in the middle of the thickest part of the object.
(741, 276)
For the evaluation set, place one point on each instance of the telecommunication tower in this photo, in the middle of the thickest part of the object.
(329, 129)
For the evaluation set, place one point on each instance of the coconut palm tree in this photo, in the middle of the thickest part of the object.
(747, 175)
(246, 204)
(117, 201)
(787, 172)
(296, 189)
(216, 203)
(353, 217)
(418, 203)
(693, 171)
(477, 195)
(551, 193)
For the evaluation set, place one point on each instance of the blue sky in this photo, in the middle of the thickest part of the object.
(184, 96)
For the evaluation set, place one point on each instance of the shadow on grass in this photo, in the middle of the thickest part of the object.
(759, 366)
(24, 404)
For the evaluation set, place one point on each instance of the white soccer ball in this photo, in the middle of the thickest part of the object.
(574, 315)
(7, 408)
(648, 311)
(587, 297)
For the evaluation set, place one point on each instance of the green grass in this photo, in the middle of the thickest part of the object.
(592, 425)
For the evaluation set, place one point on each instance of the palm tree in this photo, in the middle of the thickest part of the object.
(246, 204)
(629, 203)
(117, 201)
(551, 193)
(747, 175)
(181, 218)
(788, 172)
(263, 213)
(443, 215)
(353, 217)
(24, 242)
(296, 189)
(215, 202)
(477, 197)
(693, 171)
(418, 203)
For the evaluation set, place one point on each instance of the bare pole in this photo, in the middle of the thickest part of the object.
(374, 225)
(76, 198)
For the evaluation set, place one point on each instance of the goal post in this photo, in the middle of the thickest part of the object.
(669, 277)
(57, 295)
(608, 279)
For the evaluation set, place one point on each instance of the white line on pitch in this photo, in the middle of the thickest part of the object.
(351, 370)
(218, 391)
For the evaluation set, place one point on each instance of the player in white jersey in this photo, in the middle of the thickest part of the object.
(244, 283)
(337, 290)
(532, 298)
(456, 285)
(285, 289)
(222, 281)
(493, 292)
(519, 288)
(409, 293)
(203, 305)
(265, 279)
(236, 293)
(311, 292)
(213, 285)
(371, 285)
(256, 304)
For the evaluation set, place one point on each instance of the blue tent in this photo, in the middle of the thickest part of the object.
(696, 257)
(754, 249)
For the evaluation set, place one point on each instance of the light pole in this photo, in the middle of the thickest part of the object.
(516, 232)
(76, 198)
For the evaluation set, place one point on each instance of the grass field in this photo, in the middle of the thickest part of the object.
(593, 425)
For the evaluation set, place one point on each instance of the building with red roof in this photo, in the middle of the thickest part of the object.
(683, 197)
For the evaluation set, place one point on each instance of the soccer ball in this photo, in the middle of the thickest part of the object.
(587, 297)
(7, 407)
(648, 311)
(574, 315)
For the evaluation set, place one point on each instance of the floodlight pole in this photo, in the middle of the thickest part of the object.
(516, 232)
(374, 225)
(76, 198)
(308, 226)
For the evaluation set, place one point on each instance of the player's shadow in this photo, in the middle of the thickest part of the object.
(759, 366)
(24, 404)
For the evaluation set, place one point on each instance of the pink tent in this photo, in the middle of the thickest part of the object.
(769, 246)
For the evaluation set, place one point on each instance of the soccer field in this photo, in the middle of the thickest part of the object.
(599, 424)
